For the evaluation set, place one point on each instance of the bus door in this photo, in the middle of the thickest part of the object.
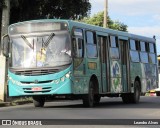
(104, 64)
(123, 43)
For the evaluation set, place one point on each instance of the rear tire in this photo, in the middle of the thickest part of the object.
(135, 97)
(38, 101)
(88, 99)
(97, 99)
(126, 98)
(132, 97)
(158, 93)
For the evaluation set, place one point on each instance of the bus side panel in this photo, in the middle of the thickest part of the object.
(147, 75)
(149, 81)
(116, 83)
(80, 78)
(135, 71)
(80, 85)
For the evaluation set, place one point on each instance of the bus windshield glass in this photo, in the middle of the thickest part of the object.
(34, 27)
(50, 50)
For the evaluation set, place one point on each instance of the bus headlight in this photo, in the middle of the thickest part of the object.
(57, 81)
(14, 81)
(62, 79)
(68, 75)
(18, 83)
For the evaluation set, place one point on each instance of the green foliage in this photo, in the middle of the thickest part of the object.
(97, 19)
(41, 9)
(1, 3)
(118, 26)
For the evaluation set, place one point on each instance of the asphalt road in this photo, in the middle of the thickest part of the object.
(109, 108)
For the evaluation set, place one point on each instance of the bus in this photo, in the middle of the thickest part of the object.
(157, 91)
(158, 58)
(64, 58)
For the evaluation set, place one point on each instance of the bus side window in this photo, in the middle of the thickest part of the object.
(151, 48)
(78, 47)
(134, 47)
(114, 51)
(152, 56)
(143, 52)
(142, 45)
(78, 43)
(91, 44)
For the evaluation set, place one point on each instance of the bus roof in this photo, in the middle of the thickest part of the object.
(111, 31)
(94, 28)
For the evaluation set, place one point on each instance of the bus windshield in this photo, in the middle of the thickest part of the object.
(49, 50)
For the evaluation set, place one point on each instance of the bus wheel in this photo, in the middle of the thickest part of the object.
(126, 98)
(38, 101)
(135, 97)
(158, 93)
(97, 99)
(88, 99)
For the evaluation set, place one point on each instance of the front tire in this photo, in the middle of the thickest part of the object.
(38, 101)
(88, 99)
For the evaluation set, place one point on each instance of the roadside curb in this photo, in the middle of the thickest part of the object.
(7, 104)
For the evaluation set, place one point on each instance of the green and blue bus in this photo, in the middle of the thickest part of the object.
(157, 91)
(50, 58)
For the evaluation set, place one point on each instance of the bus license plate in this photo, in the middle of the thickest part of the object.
(37, 89)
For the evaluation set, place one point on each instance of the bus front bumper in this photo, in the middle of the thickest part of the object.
(40, 89)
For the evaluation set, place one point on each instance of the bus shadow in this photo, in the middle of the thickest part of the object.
(115, 104)
(120, 104)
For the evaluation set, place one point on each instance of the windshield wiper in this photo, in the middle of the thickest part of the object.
(46, 43)
(48, 40)
(27, 42)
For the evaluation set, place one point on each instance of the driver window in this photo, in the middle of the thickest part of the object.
(78, 43)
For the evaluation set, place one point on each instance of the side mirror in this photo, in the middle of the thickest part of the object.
(5, 45)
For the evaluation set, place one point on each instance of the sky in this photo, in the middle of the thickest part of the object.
(141, 16)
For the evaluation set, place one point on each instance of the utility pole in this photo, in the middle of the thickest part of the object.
(105, 24)
(4, 28)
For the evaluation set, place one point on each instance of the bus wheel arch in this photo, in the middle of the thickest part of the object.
(92, 96)
(96, 84)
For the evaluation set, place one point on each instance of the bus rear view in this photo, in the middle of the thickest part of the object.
(40, 60)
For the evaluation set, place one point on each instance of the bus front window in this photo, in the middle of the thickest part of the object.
(41, 51)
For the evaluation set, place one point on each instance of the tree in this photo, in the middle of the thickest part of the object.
(1, 3)
(39, 9)
(97, 19)
(4, 22)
